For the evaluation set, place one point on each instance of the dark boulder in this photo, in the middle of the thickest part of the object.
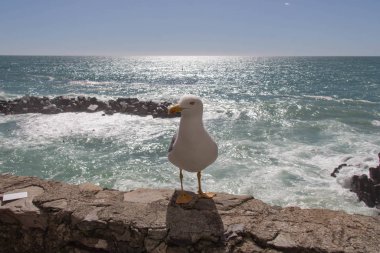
(93, 100)
(374, 174)
(3, 106)
(109, 112)
(114, 105)
(50, 109)
(61, 101)
(367, 189)
(127, 100)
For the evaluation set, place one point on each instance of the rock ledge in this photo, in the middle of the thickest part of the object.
(58, 217)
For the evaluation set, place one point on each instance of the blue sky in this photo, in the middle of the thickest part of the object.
(190, 27)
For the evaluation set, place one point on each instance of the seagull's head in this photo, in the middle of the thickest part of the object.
(188, 105)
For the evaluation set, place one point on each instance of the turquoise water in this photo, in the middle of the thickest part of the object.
(282, 124)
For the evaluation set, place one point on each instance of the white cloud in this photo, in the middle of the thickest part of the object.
(287, 4)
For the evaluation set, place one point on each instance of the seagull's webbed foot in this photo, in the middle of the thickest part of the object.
(183, 198)
(206, 195)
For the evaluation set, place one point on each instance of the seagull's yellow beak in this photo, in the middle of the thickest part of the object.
(174, 109)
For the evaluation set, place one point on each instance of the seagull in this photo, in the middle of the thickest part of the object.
(192, 148)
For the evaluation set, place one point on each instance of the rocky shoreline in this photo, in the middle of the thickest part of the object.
(60, 104)
(59, 217)
(367, 189)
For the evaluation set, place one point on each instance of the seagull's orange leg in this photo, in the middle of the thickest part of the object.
(183, 197)
(181, 178)
(207, 195)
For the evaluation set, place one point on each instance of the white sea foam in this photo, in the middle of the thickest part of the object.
(7, 96)
(376, 123)
(299, 176)
(320, 97)
(330, 98)
(357, 100)
(37, 129)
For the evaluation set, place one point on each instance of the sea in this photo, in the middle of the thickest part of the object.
(282, 124)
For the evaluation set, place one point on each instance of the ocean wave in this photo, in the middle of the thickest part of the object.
(8, 96)
(328, 98)
(376, 123)
(39, 129)
(42, 77)
(357, 101)
(88, 82)
(331, 98)
(2, 96)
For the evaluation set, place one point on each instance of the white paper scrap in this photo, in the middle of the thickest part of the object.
(13, 196)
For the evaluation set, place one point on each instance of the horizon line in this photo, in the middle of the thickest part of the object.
(195, 55)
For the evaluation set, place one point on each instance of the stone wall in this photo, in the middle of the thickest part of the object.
(58, 217)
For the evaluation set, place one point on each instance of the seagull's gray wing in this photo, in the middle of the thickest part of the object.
(172, 143)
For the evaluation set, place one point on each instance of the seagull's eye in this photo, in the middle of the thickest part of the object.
(192, 103)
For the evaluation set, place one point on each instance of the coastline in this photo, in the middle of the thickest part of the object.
(277, 127)
(59, 217)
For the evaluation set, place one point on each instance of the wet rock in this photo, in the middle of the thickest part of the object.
(130, 108)
(337, 169)
(367, 189)
(61, 101)
(123, 106)
(2, 103)
(374, 174)
(127, 100)
(93, 100)
(25, 99)
(376, 193)
(50, 109)
(92, 108)
(109, 112)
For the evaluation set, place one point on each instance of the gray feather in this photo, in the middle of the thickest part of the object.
(172, 143)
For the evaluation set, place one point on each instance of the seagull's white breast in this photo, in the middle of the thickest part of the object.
(193, 149)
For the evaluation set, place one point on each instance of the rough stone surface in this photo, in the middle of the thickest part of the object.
(58, 217)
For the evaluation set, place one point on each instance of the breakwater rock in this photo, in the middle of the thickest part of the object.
(58, 217)
(31, 104)
(367, 188)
